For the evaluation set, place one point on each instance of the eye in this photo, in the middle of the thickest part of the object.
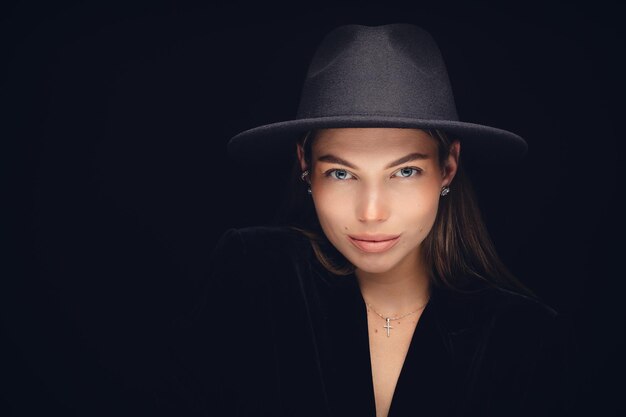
(341, 174)
(409, 171)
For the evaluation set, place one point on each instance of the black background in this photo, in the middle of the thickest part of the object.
(116, 119)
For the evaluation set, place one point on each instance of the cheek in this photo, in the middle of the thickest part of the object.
(419, 211)
(335, 214)
(331, 207)
(422, 204)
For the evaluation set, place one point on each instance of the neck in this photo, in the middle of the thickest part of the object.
(395, 292)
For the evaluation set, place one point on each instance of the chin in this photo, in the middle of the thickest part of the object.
(374, 269)
(372, 263)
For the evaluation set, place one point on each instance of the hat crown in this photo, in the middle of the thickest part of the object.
(388, 70)
(387, 76)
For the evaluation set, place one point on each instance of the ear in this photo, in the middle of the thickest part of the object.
(451, 163)
(300, 152)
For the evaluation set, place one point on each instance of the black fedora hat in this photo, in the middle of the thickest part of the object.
(377, 76)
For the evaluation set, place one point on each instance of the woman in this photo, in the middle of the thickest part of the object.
(377, 291)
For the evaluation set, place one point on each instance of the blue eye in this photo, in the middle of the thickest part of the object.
(409, 171)
(342, 173)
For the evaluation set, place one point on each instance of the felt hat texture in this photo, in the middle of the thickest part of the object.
(389, 75)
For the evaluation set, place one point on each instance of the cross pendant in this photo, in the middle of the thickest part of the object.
(387, 326)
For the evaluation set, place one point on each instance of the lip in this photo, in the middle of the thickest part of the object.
(376, 238)
(374, 243)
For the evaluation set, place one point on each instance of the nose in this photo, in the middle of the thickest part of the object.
(372, 206)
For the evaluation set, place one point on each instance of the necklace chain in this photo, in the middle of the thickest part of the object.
(396, 318)
(389, 319)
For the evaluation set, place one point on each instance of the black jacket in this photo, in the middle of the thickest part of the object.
(278, 335)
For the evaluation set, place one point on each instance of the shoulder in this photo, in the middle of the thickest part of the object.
(511, 309)
(250, 240)
(508, 303)
(501, 313)
(251, 255)
(526, 324)
(509, 336)
(530, 347)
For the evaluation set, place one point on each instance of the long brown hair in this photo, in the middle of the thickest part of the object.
(458, 250)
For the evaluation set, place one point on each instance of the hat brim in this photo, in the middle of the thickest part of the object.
(276, 141)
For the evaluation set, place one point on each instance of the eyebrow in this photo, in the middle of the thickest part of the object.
(410, 157)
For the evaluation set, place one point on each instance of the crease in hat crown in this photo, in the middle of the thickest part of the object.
(395, 70)
(389, 75)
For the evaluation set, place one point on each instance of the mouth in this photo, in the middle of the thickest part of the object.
(374, 245)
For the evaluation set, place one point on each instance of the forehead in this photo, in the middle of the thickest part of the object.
(373, 140)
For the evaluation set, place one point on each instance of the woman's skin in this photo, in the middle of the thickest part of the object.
(372, 198)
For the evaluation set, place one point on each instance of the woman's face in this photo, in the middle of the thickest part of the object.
(377, 181)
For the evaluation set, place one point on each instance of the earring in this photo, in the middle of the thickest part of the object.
(445, 190)
(304, 174)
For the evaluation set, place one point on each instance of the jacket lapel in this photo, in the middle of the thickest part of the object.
(444, 351)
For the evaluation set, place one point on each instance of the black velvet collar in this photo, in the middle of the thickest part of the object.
(443, 344)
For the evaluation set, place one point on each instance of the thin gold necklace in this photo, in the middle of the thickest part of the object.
(388, 319)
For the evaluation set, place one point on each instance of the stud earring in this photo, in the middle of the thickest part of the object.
(309, 190)
(445, 190)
